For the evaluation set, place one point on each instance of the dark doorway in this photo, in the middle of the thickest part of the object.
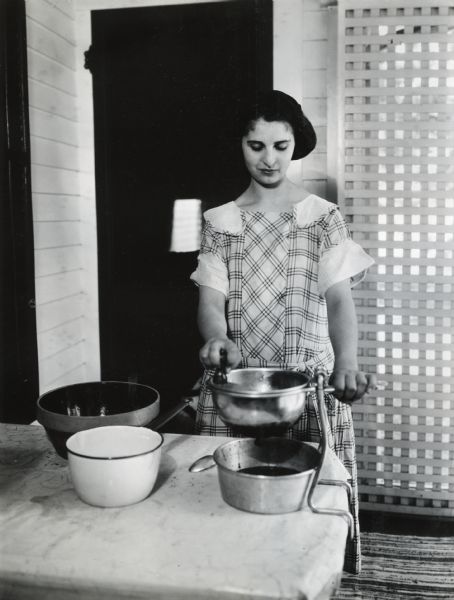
(18, 347)
(167, 85)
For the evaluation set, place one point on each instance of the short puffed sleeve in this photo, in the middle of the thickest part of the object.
(211, 267)
(340, 257)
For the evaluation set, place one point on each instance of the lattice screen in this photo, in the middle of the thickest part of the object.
(396, 68)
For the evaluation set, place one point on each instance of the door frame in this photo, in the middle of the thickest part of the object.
(19, 385)
(288, 66)
(106, 273)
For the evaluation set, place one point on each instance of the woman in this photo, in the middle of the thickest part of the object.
(275, 270)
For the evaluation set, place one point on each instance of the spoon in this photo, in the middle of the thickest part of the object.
(202, 464)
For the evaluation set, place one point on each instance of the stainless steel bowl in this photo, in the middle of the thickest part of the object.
(268, 476)
(261, 397)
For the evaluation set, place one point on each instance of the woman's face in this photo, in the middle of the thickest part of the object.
(267, 150)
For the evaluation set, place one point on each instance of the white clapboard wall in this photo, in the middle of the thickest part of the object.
(314, 74)
(64, 350)
(300, 31)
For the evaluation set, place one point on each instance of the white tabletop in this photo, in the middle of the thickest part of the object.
(183, 541)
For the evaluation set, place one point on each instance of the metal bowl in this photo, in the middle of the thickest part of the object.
(268, 476)
(115, 465)
(263, 398)
(69, 409)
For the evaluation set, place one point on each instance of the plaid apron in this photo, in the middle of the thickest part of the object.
(277, 319)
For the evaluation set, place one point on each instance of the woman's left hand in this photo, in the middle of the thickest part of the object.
(351, 384)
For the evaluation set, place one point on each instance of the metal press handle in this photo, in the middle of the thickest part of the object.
(329, 389)
(220, 374)
(170, 414)
(320, 391)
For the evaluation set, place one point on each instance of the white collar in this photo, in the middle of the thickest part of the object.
(228, 217)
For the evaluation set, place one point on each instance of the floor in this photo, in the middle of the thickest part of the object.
(403, 558)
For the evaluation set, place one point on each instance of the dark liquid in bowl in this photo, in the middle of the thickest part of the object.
(269, 470)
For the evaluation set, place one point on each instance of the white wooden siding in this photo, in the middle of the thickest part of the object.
(66, 353)
(300, 69)
(314, 99)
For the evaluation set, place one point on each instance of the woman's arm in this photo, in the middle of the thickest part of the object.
(350, 383)
(213, 329)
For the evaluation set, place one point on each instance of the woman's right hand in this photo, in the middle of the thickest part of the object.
(210, 353)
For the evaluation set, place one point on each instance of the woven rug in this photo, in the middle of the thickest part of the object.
(402, 566)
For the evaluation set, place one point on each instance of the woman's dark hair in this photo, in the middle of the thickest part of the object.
(274, 105)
